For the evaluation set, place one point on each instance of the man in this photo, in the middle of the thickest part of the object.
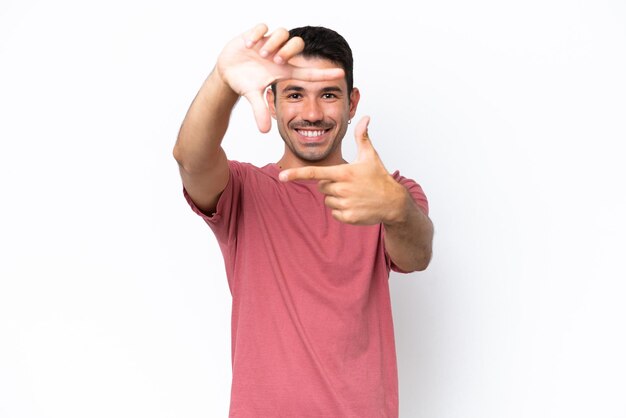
(308, 242)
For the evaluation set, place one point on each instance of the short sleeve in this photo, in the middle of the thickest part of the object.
(420, 200)
(414, 189)
(223, 221)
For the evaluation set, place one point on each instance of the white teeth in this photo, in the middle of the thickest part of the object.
(311, 133)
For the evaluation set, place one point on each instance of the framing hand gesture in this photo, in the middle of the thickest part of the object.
(254, 60)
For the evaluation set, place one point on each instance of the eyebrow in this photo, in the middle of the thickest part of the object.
(299, 89)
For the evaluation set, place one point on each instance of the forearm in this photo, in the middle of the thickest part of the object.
(408, 235)
(200, 136)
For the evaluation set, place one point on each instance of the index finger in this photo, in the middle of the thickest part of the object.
(255, 34)
(316, 74)
(333, 173)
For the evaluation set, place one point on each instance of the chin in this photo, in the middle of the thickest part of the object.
(315, 156)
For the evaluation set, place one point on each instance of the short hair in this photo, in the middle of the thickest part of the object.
(321, 42)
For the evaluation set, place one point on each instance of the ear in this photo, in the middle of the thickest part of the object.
(271, 101)
(355, 96)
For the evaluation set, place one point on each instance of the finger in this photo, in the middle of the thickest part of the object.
(290, 49)
(260, 110)
(274, 42)
(255, 34)
(316, 74)
(350, 217)
(324, 186)
(363, 142)
(333, 188)
(341, 216)
(334, 203)
(333, 173)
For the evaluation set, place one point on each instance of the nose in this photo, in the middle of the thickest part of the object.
(312, 111)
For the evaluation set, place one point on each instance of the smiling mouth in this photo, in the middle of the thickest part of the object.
(312, 133)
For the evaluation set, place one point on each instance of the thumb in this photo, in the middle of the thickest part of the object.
(363, 143)
(260, 110)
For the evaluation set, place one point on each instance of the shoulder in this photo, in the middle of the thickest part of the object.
(249, 177)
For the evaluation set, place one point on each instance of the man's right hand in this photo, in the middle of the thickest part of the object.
(254, 60)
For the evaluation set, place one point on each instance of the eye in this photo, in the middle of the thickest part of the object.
(294, 96)
(329, 96)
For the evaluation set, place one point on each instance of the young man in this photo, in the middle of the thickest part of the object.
(308, 242)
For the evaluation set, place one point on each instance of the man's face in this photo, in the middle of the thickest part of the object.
(312, 117)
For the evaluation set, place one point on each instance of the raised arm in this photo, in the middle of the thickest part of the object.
(201, 159)
(245, 67)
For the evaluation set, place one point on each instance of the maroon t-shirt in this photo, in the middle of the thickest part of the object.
(312, 331)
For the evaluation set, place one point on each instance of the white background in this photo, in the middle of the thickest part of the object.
(511, 115)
